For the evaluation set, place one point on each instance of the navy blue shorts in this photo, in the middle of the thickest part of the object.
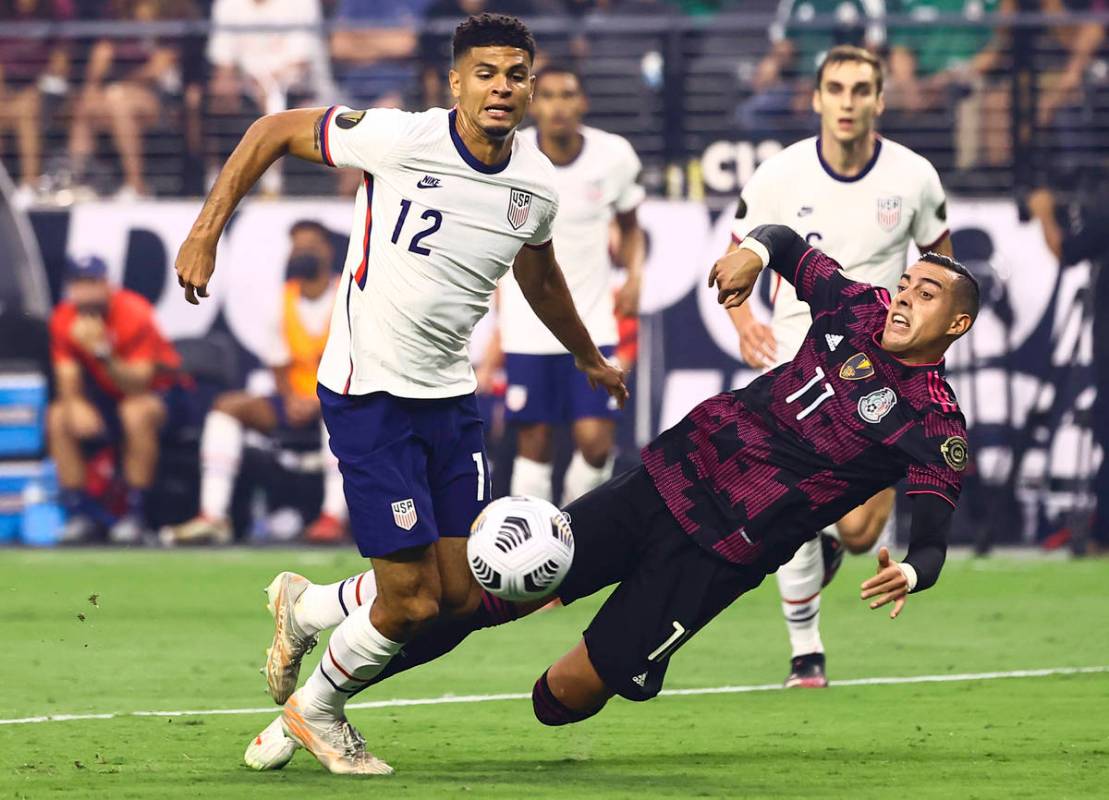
(413, 470)
(550, 389)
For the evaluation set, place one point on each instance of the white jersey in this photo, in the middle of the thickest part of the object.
(595, 186)
(864, 222)
(434, 230)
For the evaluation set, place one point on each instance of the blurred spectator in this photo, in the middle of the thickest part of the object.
(30, 69)
(263, 71)
(374, 61)
(129, 85)
(435, 46)
(803, 31)
(1059, 56)
(299, 335)
(116, 380)
(936, 67)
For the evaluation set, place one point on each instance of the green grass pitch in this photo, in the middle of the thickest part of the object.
(172, 631)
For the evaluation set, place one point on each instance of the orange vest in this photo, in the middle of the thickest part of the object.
(305, 347)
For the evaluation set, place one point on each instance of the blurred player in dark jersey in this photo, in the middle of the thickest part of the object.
(730, 492)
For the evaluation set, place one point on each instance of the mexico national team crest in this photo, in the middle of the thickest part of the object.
(955, 452)
(889, 212)
(856, 368)
(404, 514)
(873, 407)
(519, 205)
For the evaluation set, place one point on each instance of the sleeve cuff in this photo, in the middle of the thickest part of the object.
(909, 571)
(756, 247)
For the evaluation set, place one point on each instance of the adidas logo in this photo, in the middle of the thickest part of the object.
(640, 680)
(833, 340)
(428, 182)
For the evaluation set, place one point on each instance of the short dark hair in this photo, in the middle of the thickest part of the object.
(558, 69)
(489, 30)
(843, 53)
(967, 298)
(310, 225)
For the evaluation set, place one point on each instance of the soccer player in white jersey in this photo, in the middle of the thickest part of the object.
(450, 201)
(861, 199)
(596, 177)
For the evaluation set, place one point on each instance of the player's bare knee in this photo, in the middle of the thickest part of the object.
(139, 413)
(55, 420)
(229, 403)
(595, 451)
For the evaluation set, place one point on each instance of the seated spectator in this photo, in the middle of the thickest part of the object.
(116, 379)
(803, 31)
(299, 336)
(31, 69)
(937, 67)
(129, 84)
(374, 61)
(255, 72)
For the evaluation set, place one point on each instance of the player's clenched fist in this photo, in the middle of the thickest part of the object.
(196, 261)
(734, 276)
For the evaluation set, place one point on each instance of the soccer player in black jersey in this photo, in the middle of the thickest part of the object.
(730, 492)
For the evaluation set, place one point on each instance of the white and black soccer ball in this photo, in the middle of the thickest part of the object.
(520, 548)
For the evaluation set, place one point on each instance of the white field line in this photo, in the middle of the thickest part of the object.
(492, 698)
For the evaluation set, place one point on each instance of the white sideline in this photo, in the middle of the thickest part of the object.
(491, 698)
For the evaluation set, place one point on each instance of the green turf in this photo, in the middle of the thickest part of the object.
(187, 631)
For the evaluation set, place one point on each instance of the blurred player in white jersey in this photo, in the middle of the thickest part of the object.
(449, 202)
(596, 177)
(861, 199)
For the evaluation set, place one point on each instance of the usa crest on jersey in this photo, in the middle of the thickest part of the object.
(889, 212)
(519, 206)
(404, 514)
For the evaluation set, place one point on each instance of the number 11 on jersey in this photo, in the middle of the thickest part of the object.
(829, 390)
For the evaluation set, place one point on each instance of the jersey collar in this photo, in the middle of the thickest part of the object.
(471, 160)
(939, 366)
(854, 178)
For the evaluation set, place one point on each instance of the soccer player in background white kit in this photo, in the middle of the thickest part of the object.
(450, 201)
(860, 199)
(596, 176)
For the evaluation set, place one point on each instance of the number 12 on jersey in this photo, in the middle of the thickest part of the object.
(414, 246)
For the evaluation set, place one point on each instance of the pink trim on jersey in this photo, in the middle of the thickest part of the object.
(937, 390)
(777, 286)
(929, 491)
(800, 261)
(737, 239)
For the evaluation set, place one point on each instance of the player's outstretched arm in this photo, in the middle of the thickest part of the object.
(295, 132)
(921, 567)
(544, 287)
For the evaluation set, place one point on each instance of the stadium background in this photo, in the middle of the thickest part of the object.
(676, 80)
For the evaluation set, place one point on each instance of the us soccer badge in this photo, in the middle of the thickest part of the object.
(873, 407)
(955, 452)
(889, 212)
(519, 206)
(856, 368)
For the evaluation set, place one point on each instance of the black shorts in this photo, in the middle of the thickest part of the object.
(669, 588)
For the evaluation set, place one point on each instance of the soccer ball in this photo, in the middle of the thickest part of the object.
(520, 548)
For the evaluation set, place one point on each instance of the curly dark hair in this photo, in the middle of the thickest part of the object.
(488, 30)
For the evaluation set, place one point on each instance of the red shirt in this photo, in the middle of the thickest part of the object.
(133, 334)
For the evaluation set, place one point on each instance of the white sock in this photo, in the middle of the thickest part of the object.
(799, 585)
(334, 502)
(582, 478)
(356, 653)
(221, 450)
(531, 478)
(323, 606)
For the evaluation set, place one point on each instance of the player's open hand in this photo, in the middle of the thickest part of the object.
(609, 376)
(889, 586)
(757, 345)
(734, 276)
(196, 261)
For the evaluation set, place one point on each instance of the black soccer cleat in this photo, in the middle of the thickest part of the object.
(807, 672)
(832, 550)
